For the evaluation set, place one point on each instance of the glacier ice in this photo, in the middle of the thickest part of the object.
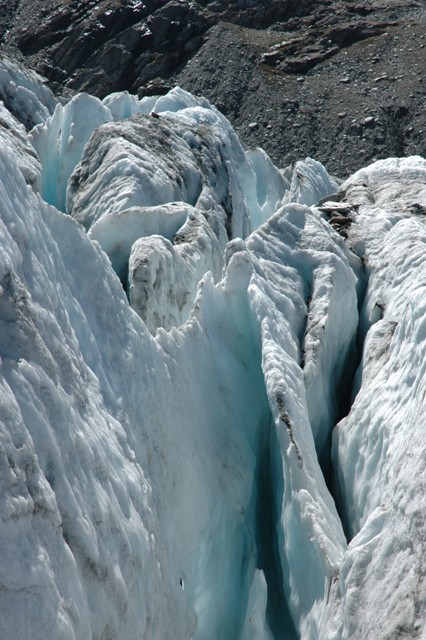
(14, 141)
(172, 473)
(308, 182)
(123, 104)
(60, 140)
(24, 94)
(163, 276)
(378, 449)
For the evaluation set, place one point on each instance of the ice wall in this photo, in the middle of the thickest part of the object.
(60, 141)
(86, 440)
(78, 527)
(378, 449)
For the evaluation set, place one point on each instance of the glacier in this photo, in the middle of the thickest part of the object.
(212, 380)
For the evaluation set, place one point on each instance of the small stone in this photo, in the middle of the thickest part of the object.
(337, 219)
(384, 76)
(342, 114)
(253, 125)
(369, 120)
(344, 80)
(300, 79)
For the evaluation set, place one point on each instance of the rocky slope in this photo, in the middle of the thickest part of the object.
(341, 81)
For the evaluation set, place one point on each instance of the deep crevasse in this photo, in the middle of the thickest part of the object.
(135, 467)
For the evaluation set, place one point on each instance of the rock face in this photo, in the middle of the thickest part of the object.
(297, 78)
(102, 47)
(345, 90)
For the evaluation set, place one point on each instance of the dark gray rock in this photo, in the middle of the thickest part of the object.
(107, 46)
(291, 66)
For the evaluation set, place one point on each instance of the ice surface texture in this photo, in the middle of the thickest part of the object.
(170, 473)
(379, 448)
(24, 94)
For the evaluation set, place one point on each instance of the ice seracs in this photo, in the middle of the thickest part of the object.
(188, 154)
(60, 141)
(291, 286)
(173, 472)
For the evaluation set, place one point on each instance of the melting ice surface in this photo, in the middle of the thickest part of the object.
(170, 468)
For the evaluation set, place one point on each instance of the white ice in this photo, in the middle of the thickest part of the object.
(167, 473)
(60, 141)
(24, 93)
(309, 182)
(379, 447)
